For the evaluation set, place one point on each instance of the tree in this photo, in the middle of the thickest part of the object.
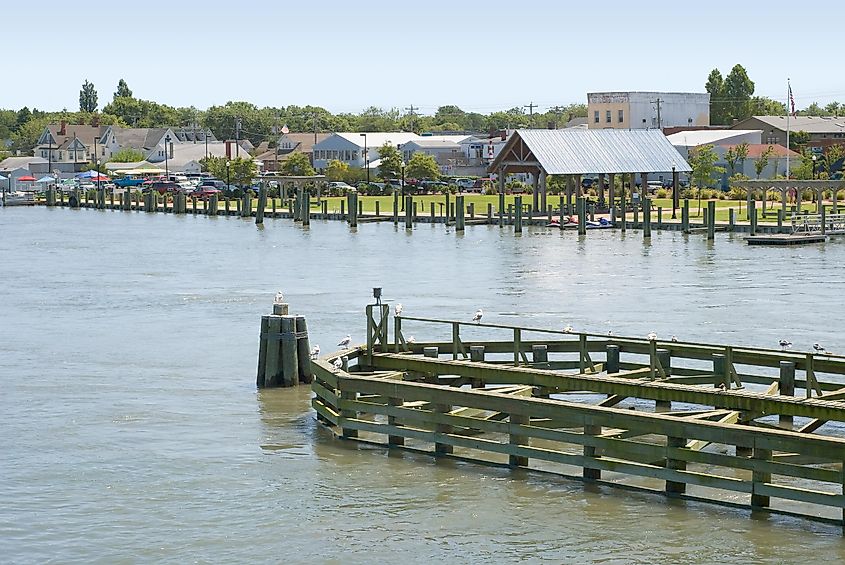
(87, 98)
(337, 170)
(738, 90)
(297, 164)
(240, 171)
(391, 162)
(127, 155)
(731, 159)
(122, 90)
(703, 159)
(23, 116)
(763, 106)
(798, 140)
(762, 161)
(715, 85)
(832, 158)
(422, 166)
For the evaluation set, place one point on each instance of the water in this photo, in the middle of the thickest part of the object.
(132, 430)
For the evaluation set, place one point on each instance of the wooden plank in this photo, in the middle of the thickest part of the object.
(698, 445)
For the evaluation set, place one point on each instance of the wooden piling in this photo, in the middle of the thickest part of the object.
(612, 359)
(540, 355)
(581, 208)
(720, 371)
(409, 212)
(517, 225)
(786, 387)
(646, 218)
(432, 212)
(685, 216)
(306, 207)
(731, 219)
(752, 215)
(395, 207)
(711, 220)
(501, 209)
(289, 354)
(460, 219)
(262, 202)
(353, 210)
(303, 350)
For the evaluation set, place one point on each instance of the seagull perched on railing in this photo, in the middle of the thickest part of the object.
(568, 330)
(397, 310)
(345, 341)
(411, 340)
(337, 363)
(315, 352)
(478, 315)
(819, 348)
(652, 336)
(279, 298)
(674, 339)
(784, 344)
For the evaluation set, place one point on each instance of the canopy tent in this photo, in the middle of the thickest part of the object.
(26, 179)
(143, 171)
(46, 178)
(99, 178)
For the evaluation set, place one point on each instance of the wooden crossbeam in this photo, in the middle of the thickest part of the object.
(612, 400)
(698, 445)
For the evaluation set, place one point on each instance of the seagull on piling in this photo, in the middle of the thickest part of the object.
(337, 363)
(652, 336)
(674, 339)
(722, 386)
(819, 348)
(315, 352)
(785, 344)
(345, 341)
(397, 310)
(279, 298)
(478, 314)
(411, 340)
(609, 332)
(568, 330)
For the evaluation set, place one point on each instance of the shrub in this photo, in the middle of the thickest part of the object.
(662, 193)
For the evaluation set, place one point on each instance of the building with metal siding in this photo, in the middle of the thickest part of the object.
(647, 110)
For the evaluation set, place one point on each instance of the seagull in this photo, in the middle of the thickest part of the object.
(397, 310)
(315, 352)
(722, 386)
(818, 348)
(674, 339)
(785, 344)
(568, 330)
(345, 341)
(411, 340)
(337, 363)
(652, 336)
(478, 314)
(279, 299)
(609, 332)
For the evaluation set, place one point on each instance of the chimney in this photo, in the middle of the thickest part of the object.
(63, 128)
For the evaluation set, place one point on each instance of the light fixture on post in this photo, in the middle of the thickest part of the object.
(402, 186)
(166, 156)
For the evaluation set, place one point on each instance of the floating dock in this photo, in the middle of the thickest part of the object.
(786, 239)
(701, 421)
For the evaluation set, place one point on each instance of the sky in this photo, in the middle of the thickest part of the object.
(347, 55)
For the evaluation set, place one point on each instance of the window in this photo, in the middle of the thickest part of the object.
(44, 154)
(60, 155)
(621, 116)
(354, 155)
(596, 116)
(607, 117)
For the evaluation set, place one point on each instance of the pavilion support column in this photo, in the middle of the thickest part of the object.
(570, 180)
(643, 188)
(578, 193)
(501, 180)
(611, 178)
(601, 190)
(834, 190)
(797, 200)
(535, 185)
(544, 200)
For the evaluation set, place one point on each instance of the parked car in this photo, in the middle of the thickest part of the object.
(340, 185)
(205, 191)
(212, 183)
(162, 187)
(464, 183)
(653, 185)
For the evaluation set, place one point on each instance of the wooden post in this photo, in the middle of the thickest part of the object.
(460, 219)
(731, 219)
(262, 202)
(752, 215)
(516, 439)
(441, 448)
(303, 351)
(193, 204)
(343, 206)
(290, 363)
(395, 207)
(540, 355)
(612, 359)
(759, 478)
(711, 220)
(391, 420)
(476, 353)
(471, 208)
(581, 205)
(517, 226)
(822, 215)
(415, 216)
(675, 464)
(660, 217)
(489, 212)
(431, 212)
(786, 387)
(590, 451)
(409, 212)
(448, 209)
(501, 209)
(272, 373)
(720, 371)
(646, 217)
(226, 205)
(348, 395)
(306, 207)
(685, 216)
(664, 357)
(430, 352)
(353, 210)
(623, 210)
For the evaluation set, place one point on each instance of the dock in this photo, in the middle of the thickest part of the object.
(785, 239)
(761, 426)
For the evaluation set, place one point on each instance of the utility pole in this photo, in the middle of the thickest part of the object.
(411, 112)
(316, 122)
(531, 107)
(237, 137)
(659, 123)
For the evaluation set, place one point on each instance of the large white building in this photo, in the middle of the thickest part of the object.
(647, 110)
(349, 147)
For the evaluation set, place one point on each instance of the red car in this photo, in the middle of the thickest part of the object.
(204, 191)
(161, 186)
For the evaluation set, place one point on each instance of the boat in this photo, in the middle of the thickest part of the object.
(602, 223)
(18, 199)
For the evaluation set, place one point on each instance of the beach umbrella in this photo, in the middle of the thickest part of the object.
(26, 179)
(88, 174)
(46, 178)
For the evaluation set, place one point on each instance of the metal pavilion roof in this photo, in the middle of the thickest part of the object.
(586, 151)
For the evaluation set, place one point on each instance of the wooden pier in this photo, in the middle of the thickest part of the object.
(702, 421)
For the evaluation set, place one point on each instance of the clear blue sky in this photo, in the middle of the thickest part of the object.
(345, 55)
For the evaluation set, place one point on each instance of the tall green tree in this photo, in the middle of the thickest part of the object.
(240, 171)
(798, 140)
(336, 170)
(391, 162)
(122, 90)
(297, 164)
(738, 90)
(87, 98)
(763, 106)
(422, 166)
(703, 159)
(715, 85)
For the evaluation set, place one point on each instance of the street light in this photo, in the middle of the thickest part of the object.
(228, 181)
(814, 167)
(166, 156)
(402, 166)
(674, 192)
(98, 176)
(366, 157)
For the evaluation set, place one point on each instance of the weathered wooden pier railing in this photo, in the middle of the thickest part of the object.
(686, 419)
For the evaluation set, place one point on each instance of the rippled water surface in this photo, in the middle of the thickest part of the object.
(132, 430)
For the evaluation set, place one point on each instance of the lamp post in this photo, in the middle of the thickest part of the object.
(814, 167)
(228, 181)
(402, 167)
(96, 139)
(166, 156)
(674, 192)
(98, 176)
(366, 157)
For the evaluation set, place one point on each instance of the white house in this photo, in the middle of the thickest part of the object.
(442, 150)
(349, 147)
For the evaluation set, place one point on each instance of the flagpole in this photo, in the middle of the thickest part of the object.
(788, 102)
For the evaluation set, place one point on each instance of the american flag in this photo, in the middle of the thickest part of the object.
(791, 100)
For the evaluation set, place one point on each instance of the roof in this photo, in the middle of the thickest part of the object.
(585, 151)
(809, 124)
(306, 140)
(12, 163)
(84, 133)
(694, 138)
(755, 150)
(450, 138)
(378, 138)
(138, 138)
(429, 143)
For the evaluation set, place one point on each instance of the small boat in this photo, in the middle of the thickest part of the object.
(18, 199)
(602, 223)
